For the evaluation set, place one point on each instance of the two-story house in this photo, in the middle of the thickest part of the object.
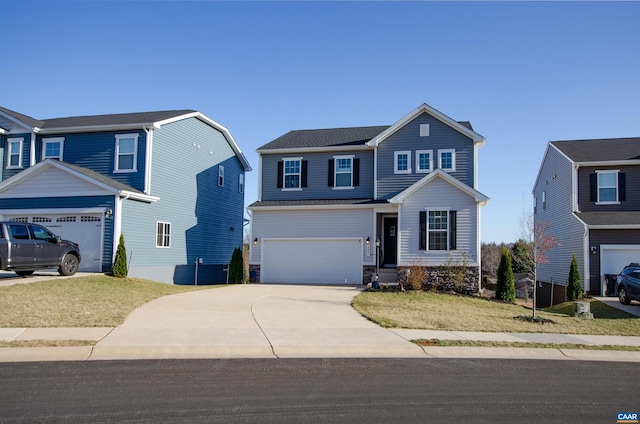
(172, 182)
(331, 201)
(586, 196)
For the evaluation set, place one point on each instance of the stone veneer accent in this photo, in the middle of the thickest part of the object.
(439, 278)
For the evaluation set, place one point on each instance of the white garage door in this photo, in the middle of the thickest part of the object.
(312, 261)
(84, 229)
(613, 258)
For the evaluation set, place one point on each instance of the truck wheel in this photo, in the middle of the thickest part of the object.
(24, 273)
(622, 296)
(69, 265)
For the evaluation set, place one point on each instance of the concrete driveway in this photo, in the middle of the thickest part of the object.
(253, 321)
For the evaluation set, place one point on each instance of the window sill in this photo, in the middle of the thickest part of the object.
(15, 167)
(291, 189)
(423, 171)
(343, 188)
(124, 171)
(402, 172)
(607, 203)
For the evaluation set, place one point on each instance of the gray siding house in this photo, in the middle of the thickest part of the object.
(336, 204)
(172, 182)
(586, 194)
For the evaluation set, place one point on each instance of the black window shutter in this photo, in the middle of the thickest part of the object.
(593, 187)
(356, 172)
(280, 174)
(622, 187)
(330, 175)
(453, 230)
(303, 177)
(423, 230)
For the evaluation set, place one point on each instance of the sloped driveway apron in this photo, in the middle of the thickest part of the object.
(252, 321)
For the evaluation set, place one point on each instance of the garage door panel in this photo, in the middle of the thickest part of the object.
(614, 258)
(312, 261)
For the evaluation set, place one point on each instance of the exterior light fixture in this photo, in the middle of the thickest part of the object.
(255, 241)
(368, 241)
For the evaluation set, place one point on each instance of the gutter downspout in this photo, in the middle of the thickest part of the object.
(147, 160)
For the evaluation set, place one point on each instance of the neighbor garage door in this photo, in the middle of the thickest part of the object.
(613, 258)
(84, 229)
(312, 261)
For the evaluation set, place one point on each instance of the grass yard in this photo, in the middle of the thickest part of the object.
(96, 301)
(437, 311)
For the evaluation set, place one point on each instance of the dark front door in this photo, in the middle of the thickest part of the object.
(390, 241)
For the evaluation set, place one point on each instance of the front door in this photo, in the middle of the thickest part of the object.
(390, 241)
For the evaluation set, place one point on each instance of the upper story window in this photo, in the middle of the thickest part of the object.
(402, 162)
(221, 175)
(292, 174)
(424, 130)
(607, 186)
(343, 171)
(447, 159)
(52, 148)
(14, 155)
(240, 183)
(424, 160)
(126, 152)
(544, 200)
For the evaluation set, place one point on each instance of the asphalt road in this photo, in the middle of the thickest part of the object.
(401, 391)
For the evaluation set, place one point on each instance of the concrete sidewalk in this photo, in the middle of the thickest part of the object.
(271, 321)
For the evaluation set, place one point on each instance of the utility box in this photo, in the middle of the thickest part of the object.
(581, 310)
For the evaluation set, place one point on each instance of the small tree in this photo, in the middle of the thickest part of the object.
(236, 273)
(574, 289)
(119, 268)
(505, 288)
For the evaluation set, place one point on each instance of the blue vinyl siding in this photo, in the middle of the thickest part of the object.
(96, 151)
(408, 138)
(317, 177)
(186, 159)
(71, 203)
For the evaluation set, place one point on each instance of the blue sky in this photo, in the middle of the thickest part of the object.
(523, 73)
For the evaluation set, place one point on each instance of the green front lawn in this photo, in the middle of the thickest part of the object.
(96, 301)
(437, 311)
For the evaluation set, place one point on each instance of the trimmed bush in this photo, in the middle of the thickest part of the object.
(119, 268)
(236, 273)
(505, 287)
(574, 289)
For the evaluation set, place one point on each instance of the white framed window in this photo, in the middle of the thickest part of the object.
(163, 234)
(14, 154)
(402, 162)
(343, 175)
(447, 159)
(292, 173)
(424, 161)
(544, 200)
(52, 148)
(438, 230)
(424, 130)
(607, 186)
(126, 152)
(240, 183)
(221, 175)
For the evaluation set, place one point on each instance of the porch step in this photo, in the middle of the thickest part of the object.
(388, 275)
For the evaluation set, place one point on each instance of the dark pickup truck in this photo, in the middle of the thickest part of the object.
(26, 247)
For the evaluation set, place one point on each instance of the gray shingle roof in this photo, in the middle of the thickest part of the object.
(329, 137)
(114, 119)
(97, 120)
(326, 202)
(102, 178)
(600, 150)
(610, 218)
(32, 122)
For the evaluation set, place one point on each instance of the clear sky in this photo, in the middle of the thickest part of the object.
(523, 73)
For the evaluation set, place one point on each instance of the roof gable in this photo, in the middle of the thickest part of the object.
(50, 172)
(438, 173)
(462, 127)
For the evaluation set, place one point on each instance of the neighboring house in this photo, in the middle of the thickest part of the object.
(586, 193)
(171, 182)
(327, 196)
